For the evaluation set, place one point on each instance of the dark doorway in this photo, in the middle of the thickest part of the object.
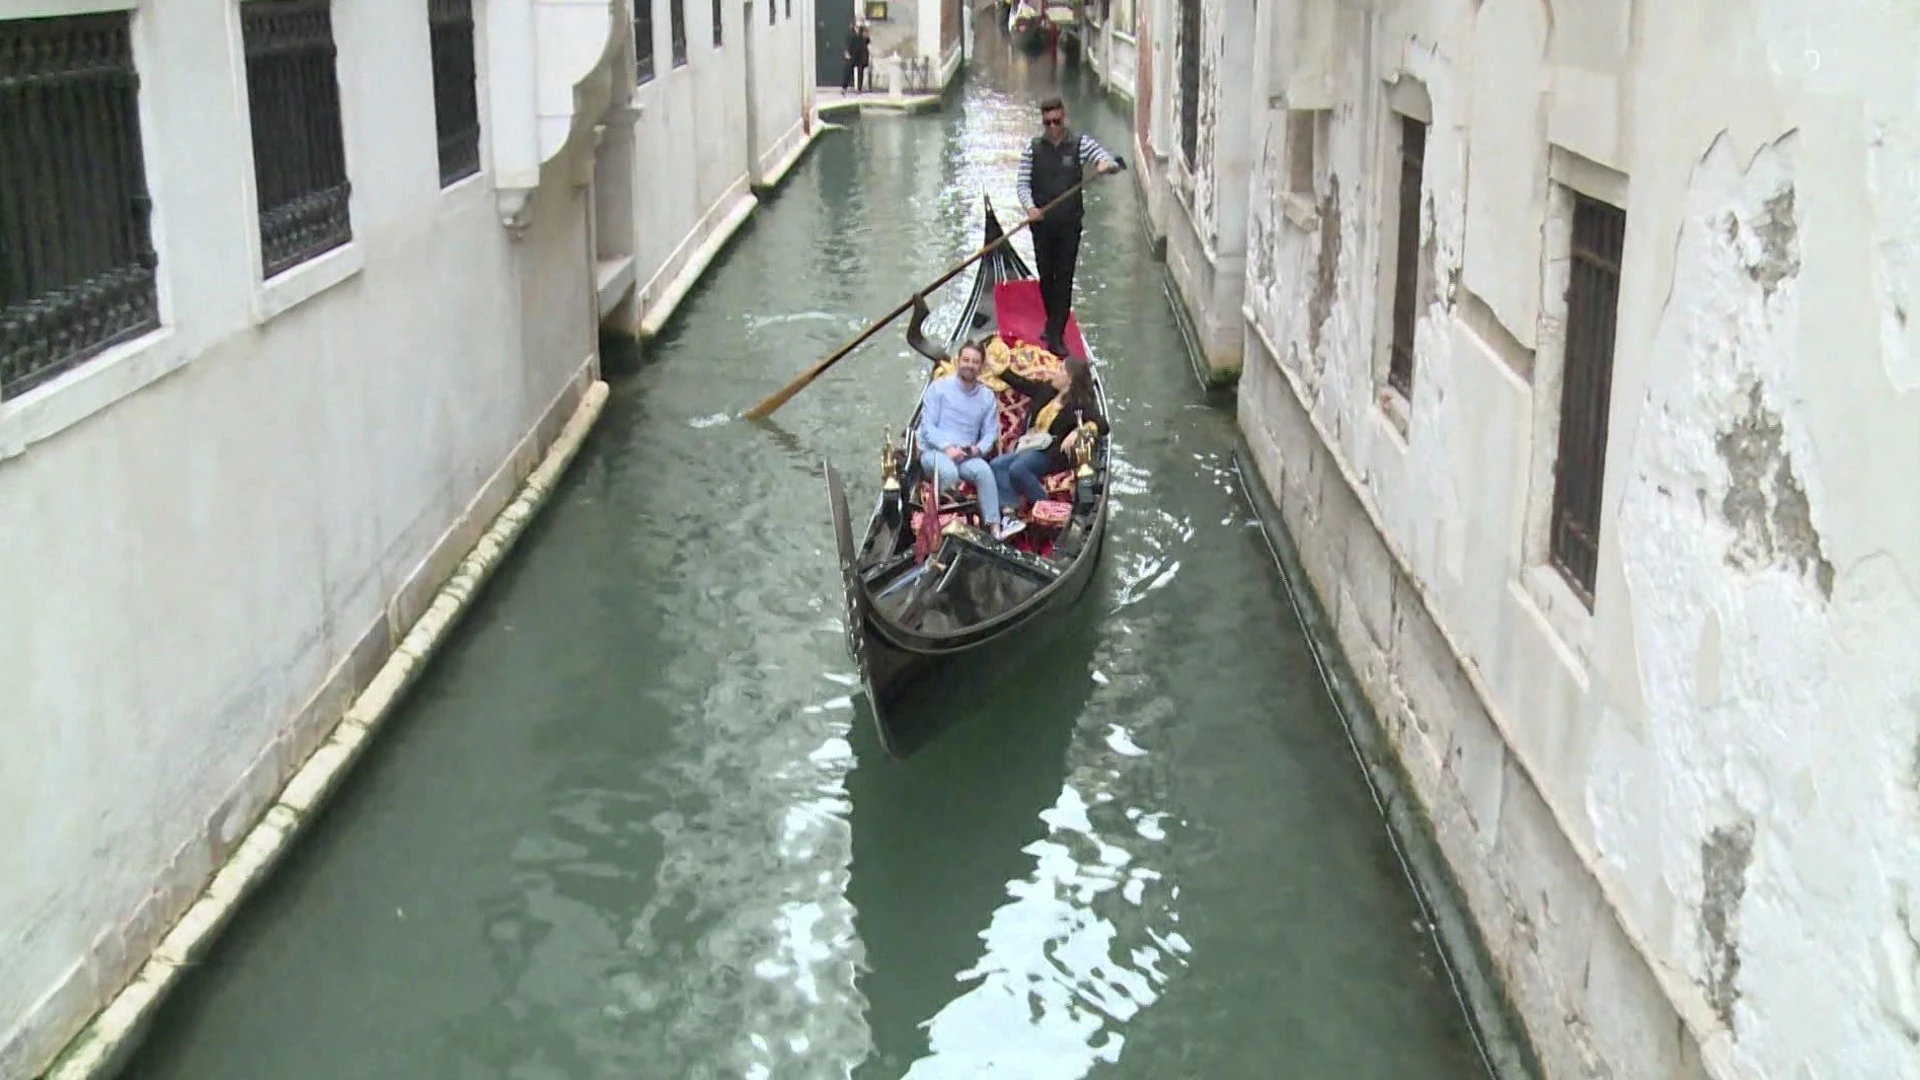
(831, 19)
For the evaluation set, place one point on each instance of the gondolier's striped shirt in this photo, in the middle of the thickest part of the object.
(1091, 153)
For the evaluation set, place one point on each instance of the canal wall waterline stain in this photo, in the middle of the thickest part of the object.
(1470, 963)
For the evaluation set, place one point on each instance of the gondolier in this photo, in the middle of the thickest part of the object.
(1051, 164)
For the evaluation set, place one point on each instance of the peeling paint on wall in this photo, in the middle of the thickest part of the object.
(1725, 856)
(1765, 504)
(1730, 734)
(1326, 278)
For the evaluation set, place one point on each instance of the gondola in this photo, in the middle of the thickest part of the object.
(934, 603)
(1029, 29)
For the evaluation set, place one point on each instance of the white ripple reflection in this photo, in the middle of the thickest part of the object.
(1068, 961)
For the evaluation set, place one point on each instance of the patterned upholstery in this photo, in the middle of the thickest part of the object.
(1051, 513)
(1033, 362)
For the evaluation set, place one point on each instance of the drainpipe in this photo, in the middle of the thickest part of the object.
(754, 179)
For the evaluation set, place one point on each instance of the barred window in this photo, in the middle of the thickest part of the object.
(456, 104)
(1586, 391)
(76, 254)
(1406, 278)
(299, 155)
(643, 41)
(1190, 46)
(677, 13)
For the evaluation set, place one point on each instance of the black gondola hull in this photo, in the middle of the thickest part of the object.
(910, 685)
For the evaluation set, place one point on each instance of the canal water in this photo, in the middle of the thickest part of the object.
(633, 823)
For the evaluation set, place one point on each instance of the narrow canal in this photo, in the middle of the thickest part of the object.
(632, 824)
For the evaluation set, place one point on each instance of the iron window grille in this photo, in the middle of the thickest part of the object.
(643, 68)
(76, 252)
(1593, 296)
(1190, 46)
(456, 103)
(677, 24)
(299, 154)
(1406, 279)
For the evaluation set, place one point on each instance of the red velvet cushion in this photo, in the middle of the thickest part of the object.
(1051, 513)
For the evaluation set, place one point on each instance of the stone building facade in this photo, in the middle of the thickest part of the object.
(1577, 343)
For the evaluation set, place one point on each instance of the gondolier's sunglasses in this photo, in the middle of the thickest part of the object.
(1053, 120)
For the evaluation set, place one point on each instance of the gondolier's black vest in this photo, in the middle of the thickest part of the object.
(1056, 167)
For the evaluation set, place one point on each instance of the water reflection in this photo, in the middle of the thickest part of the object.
(939, 838)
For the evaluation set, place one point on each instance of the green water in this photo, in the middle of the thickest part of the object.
(631, 823)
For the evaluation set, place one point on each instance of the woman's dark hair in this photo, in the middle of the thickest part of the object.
(1079, 383)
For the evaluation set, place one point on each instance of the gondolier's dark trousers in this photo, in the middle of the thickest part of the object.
(1056, 249)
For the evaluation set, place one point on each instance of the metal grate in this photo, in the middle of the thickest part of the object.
(1190, 45)
(677, 16)
(76, 254)
(643, 70)
(299, 158)
(1593, 296)
(456, 103)
(1406, 277)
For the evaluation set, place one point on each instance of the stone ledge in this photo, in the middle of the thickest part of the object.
(104, 1046)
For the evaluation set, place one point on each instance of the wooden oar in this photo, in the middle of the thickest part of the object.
(767, 407)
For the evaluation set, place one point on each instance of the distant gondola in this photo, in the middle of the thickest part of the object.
(1031, 31)
(927, 597)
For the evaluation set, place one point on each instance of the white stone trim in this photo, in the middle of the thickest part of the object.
(297, 285)
(93, 385)
(48, 9)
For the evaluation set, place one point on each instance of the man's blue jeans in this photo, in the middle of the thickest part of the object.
(1019, 474)
(976, 471)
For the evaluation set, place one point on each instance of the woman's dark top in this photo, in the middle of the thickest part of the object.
(1039, 393)
(858, 47)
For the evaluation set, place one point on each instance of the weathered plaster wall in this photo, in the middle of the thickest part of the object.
(1686, 820)
(1202, 209)
(708, 116)
(1109, 49)
(202, 573)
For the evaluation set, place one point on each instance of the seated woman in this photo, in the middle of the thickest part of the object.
(1056, 409)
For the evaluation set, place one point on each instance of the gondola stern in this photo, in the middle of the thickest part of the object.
(855, 610)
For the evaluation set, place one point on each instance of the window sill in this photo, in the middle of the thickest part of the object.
(467, 192)
(1122, 35)
(1561, 609)
(1300, 211)
(464, 184)
(48, 409)
(1394, 409)
(291, 288)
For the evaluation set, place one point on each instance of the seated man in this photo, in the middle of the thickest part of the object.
(959, 427)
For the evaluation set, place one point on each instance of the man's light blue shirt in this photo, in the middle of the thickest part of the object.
(951, 416)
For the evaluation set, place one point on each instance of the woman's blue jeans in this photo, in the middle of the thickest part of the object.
(1020, 473)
